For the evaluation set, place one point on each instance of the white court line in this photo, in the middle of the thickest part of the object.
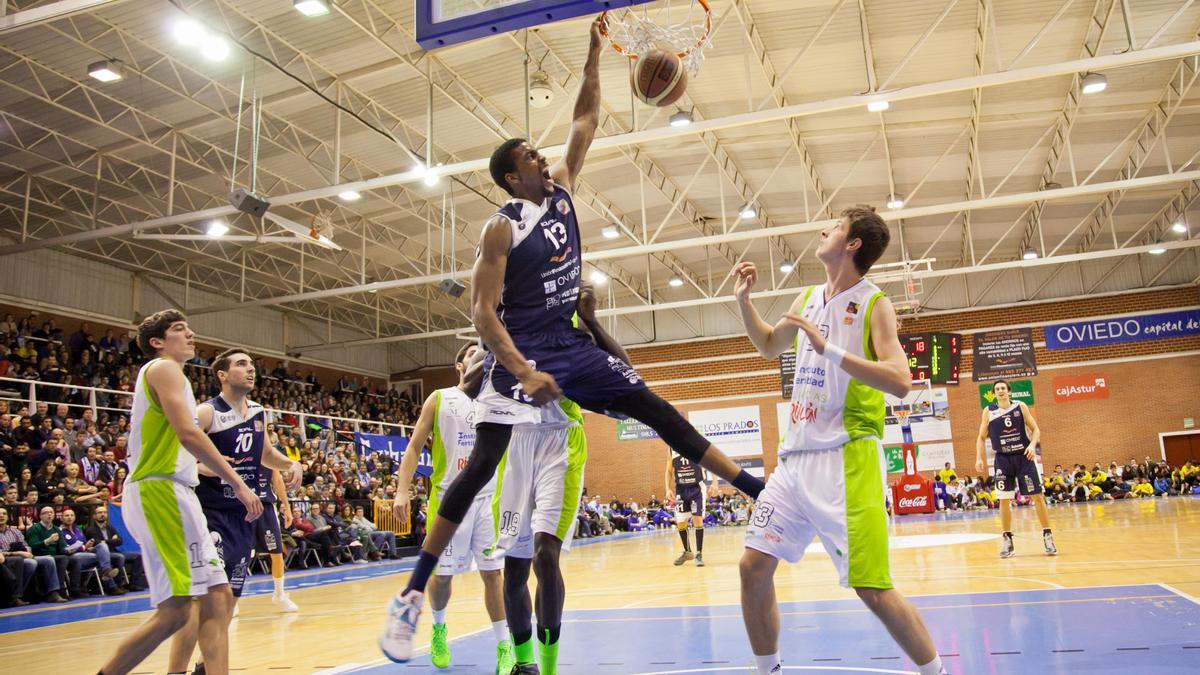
(1176, 591)
(786, 668)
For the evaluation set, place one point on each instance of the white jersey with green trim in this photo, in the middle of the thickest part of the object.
(829, 407)
(154, 448)
(453, 438)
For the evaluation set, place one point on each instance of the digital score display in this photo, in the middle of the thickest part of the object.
(933, 356)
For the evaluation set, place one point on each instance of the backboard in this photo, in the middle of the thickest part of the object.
(441, 23)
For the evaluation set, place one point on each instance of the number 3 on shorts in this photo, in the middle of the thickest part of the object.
(762, 515)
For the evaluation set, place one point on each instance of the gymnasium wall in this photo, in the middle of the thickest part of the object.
(1152, 388)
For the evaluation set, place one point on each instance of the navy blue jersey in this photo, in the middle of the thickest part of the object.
(1006, 427)
(687, 472)
(541, 281)
(240, 439)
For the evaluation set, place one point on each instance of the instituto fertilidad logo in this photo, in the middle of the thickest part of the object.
(1068, 388)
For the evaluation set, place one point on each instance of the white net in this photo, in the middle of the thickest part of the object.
(686, 32)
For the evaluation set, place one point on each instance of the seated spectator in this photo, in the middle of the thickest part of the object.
(1162, 487)
(77, 490)
(1141, 488)
(46, 544)
(1189, 476)
(83, 556)
(941, 499)
(12, 564)
(381, 540)
(319, 538)
(108, 543)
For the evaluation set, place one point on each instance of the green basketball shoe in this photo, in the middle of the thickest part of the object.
(439, 651)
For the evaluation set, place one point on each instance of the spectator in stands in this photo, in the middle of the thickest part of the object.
(46, 544)
(941, 498)
(318, 538)
(1189, 477)
(1141, 488)
(83, 554)
(1162, 486)
(20, 562)
(48, 480)
(383, 539)
(116, 487)
(78, 490)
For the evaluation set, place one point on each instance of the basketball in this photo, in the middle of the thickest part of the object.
(658, 78)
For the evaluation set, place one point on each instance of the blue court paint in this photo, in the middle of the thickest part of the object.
(40, 616)
(1121, 629)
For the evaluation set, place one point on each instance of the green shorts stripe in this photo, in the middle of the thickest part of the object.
(161, 510)
(573, 483)
(496, 498)
(866, 516)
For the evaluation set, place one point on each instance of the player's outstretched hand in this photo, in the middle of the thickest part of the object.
(253, 504)
(287, 519)
(400, 506)
(596, 39)
(1029, 454)
(747, 275)
(810, 329)
(540, 387)
(585, 306)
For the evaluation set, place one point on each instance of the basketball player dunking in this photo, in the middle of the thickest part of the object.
(523, 294)
(237, 427)
(1014, 435)
(830, 478)
(688, 478)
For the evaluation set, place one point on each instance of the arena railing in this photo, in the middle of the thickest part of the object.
(26, 392)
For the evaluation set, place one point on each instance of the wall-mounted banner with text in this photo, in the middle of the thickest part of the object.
(1003, 354)
(633, 430)
(1079, 387)
(1127, 329)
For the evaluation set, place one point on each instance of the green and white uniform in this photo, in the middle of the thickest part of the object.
(830, 479)
(159, 503)
(453, 438)
(541, 480)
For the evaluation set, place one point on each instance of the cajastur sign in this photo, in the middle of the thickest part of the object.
(1068, 388)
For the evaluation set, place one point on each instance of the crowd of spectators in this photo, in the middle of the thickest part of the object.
(599, 518)
(1133, 480)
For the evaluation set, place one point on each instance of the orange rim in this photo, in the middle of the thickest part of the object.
(633, 56)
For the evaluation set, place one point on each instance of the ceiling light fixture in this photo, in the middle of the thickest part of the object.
(109, 70)
(598, 277)
(349, 196)
(1094, 83)
(748, 211)
(675, 282)
(1157, 250)
(681, 119)
(878, 106)
(610, 232)
(786, 267)
(895, 202)
(311, 8)
(215, 48)
(217, 229)
(1030, 254)
(431, 177)
(187, 32)
(1179, 227)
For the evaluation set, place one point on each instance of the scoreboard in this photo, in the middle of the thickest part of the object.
(933, 356)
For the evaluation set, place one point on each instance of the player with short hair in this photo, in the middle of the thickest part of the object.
(689, 480)
(830, 478)
(540, 485)
(1014, 434)
(448, 418)
(524, 291)
(237, 427)
(160, 507)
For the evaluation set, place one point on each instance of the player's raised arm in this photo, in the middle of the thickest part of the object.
(770, 341)
(890, 373)
(487, 282)
(167, 383)
(586, 117)
(412, 455)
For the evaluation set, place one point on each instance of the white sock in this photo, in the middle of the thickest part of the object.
(500, 630)
(279, 587)
(768, 664)
(439, 616)
(934, 667)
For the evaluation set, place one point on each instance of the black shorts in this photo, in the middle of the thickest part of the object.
(1016, 473)
(689, 498)
(269, 536)
(234, 538)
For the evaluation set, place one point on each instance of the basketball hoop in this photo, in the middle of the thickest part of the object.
(902, 416)
(321, 226)
(632, 33)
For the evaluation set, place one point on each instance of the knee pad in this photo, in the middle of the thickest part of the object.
(648, 408)
(490, 442)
